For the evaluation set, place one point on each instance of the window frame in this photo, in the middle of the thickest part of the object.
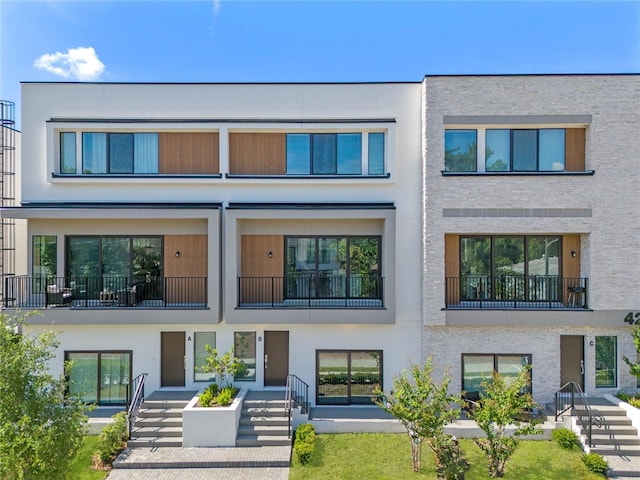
(613, 366)
(255, 359)
(109, 139)
(495, 357)
(483, 127)
(99, 354)
(349, 370)
(211, 375)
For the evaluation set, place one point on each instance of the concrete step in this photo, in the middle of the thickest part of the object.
(625, 450)
(162, 404)
(265, 403)
(152, 442)
(616, 430)
(616, 421)
(160, 412)
(138, 432)
(262, 440)
(158, 422)
(262, 430)
(607, 411)
(264, 420)
(615, 439)
(203, 458)
(249, 411)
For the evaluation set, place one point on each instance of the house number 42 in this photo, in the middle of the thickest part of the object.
(632, 318)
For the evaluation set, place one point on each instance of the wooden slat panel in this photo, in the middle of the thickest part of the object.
(188, 153)
(570, 265)
(574, 150)
(257, 153)
(452, 267)
(192, 263)
(257, 265)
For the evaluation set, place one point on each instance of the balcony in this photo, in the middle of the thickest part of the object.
(311, 291)
(517, 292)
(105, 292)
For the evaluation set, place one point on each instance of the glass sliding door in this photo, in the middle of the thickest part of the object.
(100, 377)
(347, 377)
(83, 376)
(475, 268)
(333, 383)
(543, 268)
(114, 378)
(116, 261)
(332, 262)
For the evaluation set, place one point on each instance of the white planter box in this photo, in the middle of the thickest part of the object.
(632, 412)
(211, 426)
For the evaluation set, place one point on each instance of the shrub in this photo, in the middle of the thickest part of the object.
(306, 433)
(112, 438)
(304, 451)
(566, 438)
(630, 399)
(305, 442)
(225, 397)
(595, 462)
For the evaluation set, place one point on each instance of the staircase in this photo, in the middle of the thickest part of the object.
(159, 420)
(616, 436)
(263, 421)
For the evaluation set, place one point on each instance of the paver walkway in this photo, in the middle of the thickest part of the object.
(228, 463)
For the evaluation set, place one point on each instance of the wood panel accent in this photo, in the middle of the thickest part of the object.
(452, 267)
(257, 153)
(192, 263)
(257, 269)
(574, 145)
(189, 152)
(570, 265)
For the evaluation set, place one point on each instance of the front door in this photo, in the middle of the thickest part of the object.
(276, 358)
(572, 359)
(172, 359)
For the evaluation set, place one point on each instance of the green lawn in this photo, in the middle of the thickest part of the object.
(388, 456)
(80, 468)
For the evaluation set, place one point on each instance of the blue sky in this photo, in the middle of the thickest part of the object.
(300, 41)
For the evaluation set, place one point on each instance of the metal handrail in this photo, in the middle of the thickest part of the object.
(565, 400)
(296, 394)
(137, 387)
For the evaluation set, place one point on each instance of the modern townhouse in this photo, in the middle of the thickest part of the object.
(532, 228)
(280, 219)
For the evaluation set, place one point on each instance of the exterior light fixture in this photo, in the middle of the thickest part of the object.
(270, 255)
(177, 253)
(573, 253)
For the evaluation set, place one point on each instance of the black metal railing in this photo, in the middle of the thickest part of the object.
(106, 291)
(137, 387)
(312, 291)
(571, 397)
(516, 291)
(296, 395)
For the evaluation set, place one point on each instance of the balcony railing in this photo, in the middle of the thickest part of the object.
(105, 292)
(517, 291)
(311, 291)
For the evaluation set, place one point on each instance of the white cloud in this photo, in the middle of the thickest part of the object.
(216, 7)
(80, 63)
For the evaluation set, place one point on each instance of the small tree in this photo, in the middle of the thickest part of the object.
(221, 366)
(634, 367)
(503, 400)
(424, 408)
(41, 428)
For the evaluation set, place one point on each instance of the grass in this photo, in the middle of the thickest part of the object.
(80, 468)
(388, 457)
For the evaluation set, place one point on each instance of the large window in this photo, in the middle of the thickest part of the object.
(111, 263)
(505, 150)
(510, 268)
(346, 377)
(606, 362)
(100, 377)
(333, 267)
(44, 259)
(115, 153)
(333, 153)
(479, 367)
(200, 354)
(244, 345)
